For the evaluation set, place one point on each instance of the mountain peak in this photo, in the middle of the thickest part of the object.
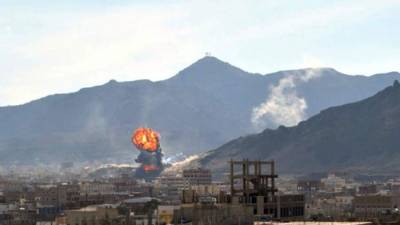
(211, 61)
(209, 67)
(112, 82)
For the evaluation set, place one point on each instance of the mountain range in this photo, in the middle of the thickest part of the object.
(359, 137)
(203, 106)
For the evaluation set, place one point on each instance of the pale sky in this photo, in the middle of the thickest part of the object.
(49, 46)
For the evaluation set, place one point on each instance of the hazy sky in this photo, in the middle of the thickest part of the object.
(49, 46)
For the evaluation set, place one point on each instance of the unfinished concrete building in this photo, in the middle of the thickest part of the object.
(253, 185)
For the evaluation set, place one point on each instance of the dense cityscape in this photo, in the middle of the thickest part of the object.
(192, 196)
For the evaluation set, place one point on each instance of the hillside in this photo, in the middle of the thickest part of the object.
(200, 108)
(360, 136)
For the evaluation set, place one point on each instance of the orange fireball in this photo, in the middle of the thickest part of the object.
(146, 139)
(148, 168)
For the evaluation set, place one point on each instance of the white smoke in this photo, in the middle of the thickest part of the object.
(171, 159)
(180, 165)
(283, 105)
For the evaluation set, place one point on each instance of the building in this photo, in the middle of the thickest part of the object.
(61, 195)
(125, 183)
(375, 206)
(197, 176)
(204, 193)
(331, 205)
(309, 186)
(206, 190)
(256, 189)
(206, 213)
(47, 195)
(333, 183)
(68, 195)
(96, 188)
(47, 212)
(169, 188)
(26, 216)
(141, 210)
(166, 213)
(395, 189)
(368, 189)
(94, 215)
(172, 181)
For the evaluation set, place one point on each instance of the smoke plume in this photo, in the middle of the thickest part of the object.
(283, 105)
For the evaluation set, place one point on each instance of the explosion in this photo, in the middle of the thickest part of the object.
(147, 141)
(150, 168)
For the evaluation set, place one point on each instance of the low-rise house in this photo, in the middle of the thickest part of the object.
(374, 206)
(94, 215)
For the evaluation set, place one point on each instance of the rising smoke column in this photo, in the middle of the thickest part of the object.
(283, 105)
(147, 141)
